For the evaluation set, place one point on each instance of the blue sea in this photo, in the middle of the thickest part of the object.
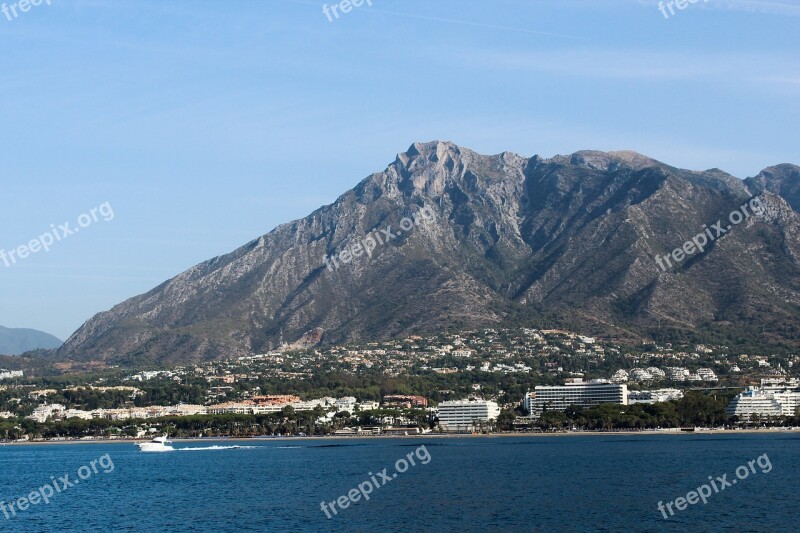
(481, 484)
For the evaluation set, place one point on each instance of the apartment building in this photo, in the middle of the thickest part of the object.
(575, 392)
(464, 415)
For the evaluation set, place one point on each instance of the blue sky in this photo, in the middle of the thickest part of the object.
(206, 124)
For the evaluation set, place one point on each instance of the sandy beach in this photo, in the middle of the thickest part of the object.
(675, 432)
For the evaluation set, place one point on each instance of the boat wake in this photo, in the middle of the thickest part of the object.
(207, 448)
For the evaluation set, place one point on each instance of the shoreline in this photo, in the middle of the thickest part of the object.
(673, 432)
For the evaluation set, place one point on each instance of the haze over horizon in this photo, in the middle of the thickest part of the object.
(205, 129)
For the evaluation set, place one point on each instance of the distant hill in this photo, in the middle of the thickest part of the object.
(575, 241)
(15, 341)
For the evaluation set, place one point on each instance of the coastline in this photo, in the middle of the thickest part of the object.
(675, 432)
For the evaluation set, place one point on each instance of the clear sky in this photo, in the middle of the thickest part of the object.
(204, 124)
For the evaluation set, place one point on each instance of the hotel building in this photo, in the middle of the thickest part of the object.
(769, 400)
(464, 415)
(575, 392)
(754, 402)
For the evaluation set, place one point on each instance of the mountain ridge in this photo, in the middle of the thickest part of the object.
(16, 341)
(515, 239)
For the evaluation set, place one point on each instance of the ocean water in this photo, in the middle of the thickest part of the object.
(565, 483)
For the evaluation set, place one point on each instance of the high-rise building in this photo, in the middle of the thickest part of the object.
(465, 415)
(772, 399)
(754, 402)
(575, 392)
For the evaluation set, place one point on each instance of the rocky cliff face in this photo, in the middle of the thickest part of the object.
(445, 238)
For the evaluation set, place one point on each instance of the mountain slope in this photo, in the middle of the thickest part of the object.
(15, 341)
(783, 180)
(506, 239)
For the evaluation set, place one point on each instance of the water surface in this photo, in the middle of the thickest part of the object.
(569, 483)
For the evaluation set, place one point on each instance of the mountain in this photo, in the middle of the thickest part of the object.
(783, 180)
(500, 239)
(15, 341)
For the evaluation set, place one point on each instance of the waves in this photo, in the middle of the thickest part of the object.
(215, 448)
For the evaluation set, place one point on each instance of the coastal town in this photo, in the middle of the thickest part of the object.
(472, 381)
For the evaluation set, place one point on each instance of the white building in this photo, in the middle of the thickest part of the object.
(781, 382)
(754, 402)
(237, 408)
(789, 400)
(369, 406)
(464, 415)
(306, 406)
(529, 401)
(707, 374)
(653, 396)
(678, 373)
(620, 376)
(266, 408)
(786, 391)
(10, 374)
(346, 403)
(640, 374)
(185, 409)
(78, 413)
(45, 411)
(577, 392)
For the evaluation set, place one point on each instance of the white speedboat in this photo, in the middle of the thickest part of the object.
(158, 444)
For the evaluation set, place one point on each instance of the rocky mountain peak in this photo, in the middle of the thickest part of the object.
(783, 180)
(570, 241)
